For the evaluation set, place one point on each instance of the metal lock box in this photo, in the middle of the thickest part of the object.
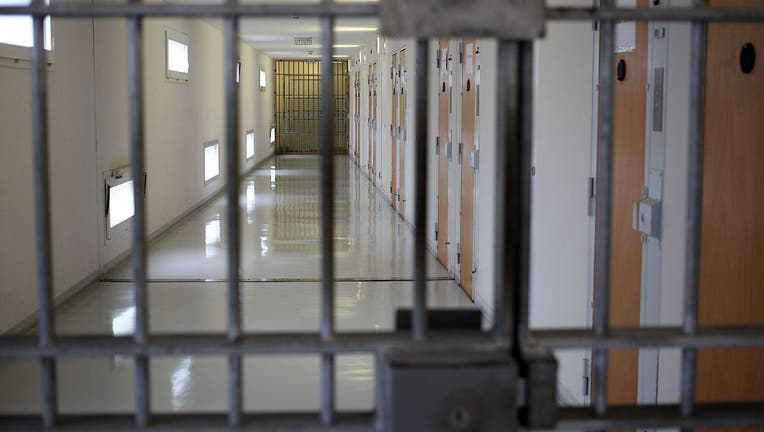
(647, 217)
(449, 391)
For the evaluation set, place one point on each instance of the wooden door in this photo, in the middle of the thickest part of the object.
(370, 147)
(731, 288)
(444, 99)
(393, 130)
(629, 122)
(358, 116)
(403, 135)
(468, 174)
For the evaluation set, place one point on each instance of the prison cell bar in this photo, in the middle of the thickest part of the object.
(369, 10)
(40, 148)
(232, 107)
(506, 127)
(326, 149)
(419, 321)
(694, 207)
(137, 152)
(603, 208)
(140, 347)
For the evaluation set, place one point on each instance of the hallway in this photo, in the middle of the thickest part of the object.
(280, 292)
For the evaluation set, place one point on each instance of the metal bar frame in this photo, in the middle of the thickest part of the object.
(510, 331)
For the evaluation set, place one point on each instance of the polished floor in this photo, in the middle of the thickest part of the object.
(280, 258)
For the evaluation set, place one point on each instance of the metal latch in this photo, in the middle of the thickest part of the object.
(474, 159)
(647, 217)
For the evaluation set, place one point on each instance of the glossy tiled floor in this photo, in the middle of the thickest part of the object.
(280, 242)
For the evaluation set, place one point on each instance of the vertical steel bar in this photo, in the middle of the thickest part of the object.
(326, 131)
(419, 323)
(520, 181)
(135, 114)
(231, 56)
(43, 247)
(507, 141)
(603, 209)
(694, 205)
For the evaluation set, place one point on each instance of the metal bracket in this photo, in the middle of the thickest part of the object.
(449, 391)
(437, 145)
(509, 19)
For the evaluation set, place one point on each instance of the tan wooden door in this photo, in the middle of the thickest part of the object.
(468, 174)
(370, 118)
(393, 131)
(403, 135)
(358, 116)
(731, 288)
(444, 99)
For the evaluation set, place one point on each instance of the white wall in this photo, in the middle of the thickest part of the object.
(89, 135)
(73, 185)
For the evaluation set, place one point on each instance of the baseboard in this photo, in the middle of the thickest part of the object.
(62, 300)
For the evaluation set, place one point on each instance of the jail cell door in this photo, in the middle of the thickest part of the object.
(731, 288)
(629, 123)
(403, 92)
(370, 122)
(357, 116)
(464, 251)
(393, 132)
(444, 145)
(374, 125)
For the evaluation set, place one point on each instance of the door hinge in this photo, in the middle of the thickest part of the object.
(392, 74)
(587, 377)
(474, 159)
(461, 54)
(437, 145)
(459, 150)
(437, 58)
(436, 231)
(391, 187)
(458, 253)
(592, 196)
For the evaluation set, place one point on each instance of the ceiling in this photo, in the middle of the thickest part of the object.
(276, 36)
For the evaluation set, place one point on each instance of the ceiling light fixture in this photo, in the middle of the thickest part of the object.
(343, 29)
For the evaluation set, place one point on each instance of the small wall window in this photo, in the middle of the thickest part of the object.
(250, 144)
(211, 161)
(238, 72)
(16, 33)
(263, 79)
(177, 55)
(273, 134)
(119, 200)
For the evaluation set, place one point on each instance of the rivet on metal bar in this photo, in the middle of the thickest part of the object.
(419, 324)
(230, 59)
(603, 209)
(326, 148)
(41, 172)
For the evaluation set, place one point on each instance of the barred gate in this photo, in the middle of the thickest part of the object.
(297, 109)
(423, 374)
